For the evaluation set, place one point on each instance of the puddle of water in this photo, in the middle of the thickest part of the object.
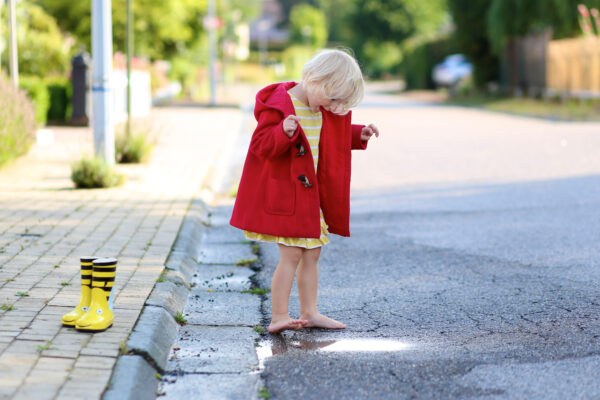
(279, 346)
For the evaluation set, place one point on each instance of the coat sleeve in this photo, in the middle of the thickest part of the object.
(269, 140)
(357, 143)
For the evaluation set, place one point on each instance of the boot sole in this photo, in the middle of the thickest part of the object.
(93, 330)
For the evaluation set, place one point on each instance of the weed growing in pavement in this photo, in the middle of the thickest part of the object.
(263, 393)
(89, 173)
(22, 294)
(57, 266)
(259, 329)
(246, 261)
(65, 284)
(257, 291)
(10, 280)
(180, 319)
(2, 251)
(255, 248)
(158, 376)
(7, 307)
(134, 147)
(42, 347)
(123, 347)
(161, 278)
(149, 244)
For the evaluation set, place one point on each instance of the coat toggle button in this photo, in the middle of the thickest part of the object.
(304, 180)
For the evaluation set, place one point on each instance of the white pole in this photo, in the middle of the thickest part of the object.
(12, 43)
(104, 139)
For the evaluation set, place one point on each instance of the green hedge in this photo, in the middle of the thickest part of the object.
(37, 91)
(51, 97)
(420, 60)
(60, 92)
(17, 122)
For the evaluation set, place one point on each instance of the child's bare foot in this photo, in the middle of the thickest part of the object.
(320, 321)
(279, 325)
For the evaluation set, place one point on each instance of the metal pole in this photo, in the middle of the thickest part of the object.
(12, 43)
(212, 45)
(104, 140)
(129, 55)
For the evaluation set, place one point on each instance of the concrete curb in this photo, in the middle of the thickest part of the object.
(136, 374)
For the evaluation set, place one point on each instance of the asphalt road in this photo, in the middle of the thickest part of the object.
(472, 270)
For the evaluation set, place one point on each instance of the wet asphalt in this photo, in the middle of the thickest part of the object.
(472, 270)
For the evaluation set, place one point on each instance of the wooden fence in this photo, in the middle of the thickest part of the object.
(573, 67)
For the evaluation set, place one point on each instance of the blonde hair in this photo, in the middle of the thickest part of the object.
(337, 76)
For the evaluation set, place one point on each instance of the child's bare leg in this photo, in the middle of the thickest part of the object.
(308, 283)
(281, 285)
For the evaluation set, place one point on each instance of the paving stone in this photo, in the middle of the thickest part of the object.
(223, 277)
(213, 349)
(133, 378)
(225, 254)
(209, 387)
(222, 308)
(153, 335)
(168, 295)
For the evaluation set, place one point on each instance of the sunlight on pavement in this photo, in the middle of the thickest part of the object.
(267, 349)
(366, 345)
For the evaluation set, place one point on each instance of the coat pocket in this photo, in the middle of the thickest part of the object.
(280, 197)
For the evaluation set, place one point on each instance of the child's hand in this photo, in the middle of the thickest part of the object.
(369, 131)
(290, 124)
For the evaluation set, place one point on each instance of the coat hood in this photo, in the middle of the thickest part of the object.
(275, 96)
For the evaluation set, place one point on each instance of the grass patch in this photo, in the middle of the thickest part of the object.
(22, 294)
(257, 291)
(263, 393)
(135, 147)
(65, 284)
(246, 262)
(259, 329)
(255, 248)
(180, 319)
(92, 173)
(556, 109)
(7, 307)
(161, 278)
(123, 347)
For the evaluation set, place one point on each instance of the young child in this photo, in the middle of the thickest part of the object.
(295, 186)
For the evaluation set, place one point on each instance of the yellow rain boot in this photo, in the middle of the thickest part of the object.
(100, 315)
(69, 319)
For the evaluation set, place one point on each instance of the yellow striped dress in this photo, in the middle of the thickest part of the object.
(311, 124)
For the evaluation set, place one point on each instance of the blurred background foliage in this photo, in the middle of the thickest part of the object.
(391, 39)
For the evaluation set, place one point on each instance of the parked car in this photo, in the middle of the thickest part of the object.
(451, 71)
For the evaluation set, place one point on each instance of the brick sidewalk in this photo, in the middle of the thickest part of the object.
(45, 226)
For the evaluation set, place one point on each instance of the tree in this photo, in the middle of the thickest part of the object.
(308, 26)
(471, 37)
(379, 29)
(43, 49)
(513, 18)
(161, 28)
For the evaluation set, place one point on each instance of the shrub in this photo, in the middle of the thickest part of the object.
(17, 122)
(135, 147)
(59, 93)
(38, 93)
(89, 173)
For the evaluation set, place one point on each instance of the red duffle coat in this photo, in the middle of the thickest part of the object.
(272, 198)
